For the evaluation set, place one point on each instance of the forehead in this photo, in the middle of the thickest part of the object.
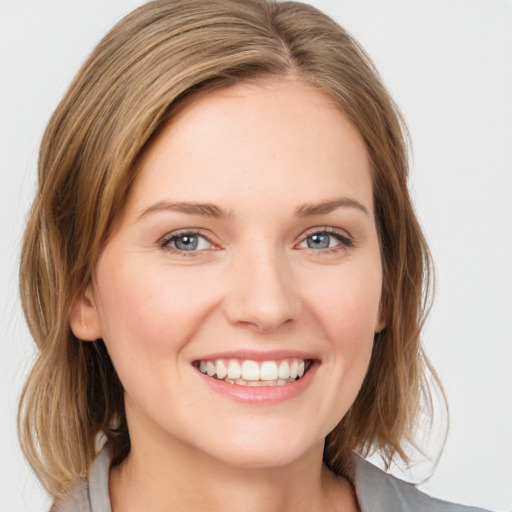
(254, 139)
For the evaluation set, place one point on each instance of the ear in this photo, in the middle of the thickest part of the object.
(84, 317)
(382, 319)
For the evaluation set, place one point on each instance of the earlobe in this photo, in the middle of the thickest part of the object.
(84, 318)
(381, 325)
(381, 320)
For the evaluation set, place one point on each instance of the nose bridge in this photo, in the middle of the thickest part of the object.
(261, 290)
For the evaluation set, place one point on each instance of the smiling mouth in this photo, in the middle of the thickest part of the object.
(255, 373)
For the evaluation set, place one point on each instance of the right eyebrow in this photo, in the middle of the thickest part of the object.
(189, 208)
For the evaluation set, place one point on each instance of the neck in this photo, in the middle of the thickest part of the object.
(177, 477)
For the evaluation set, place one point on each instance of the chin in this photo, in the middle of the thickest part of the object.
(260, 458)
(267, 449)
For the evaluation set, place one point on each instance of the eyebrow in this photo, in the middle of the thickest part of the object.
(202, 209)
(328, 206)
(213, 211)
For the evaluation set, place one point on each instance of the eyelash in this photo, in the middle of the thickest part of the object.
(345, 242)
(165, 242)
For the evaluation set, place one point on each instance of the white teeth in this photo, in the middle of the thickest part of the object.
(269, 370)
(284, 370)
(222, 371)
(210, 368)
(260, 383)
(234, 370)
(253, 373)
(250, 370)
(293, 369)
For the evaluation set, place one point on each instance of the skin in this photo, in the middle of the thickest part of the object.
(258, 152)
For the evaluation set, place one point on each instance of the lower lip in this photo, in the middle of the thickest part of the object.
(263, 394)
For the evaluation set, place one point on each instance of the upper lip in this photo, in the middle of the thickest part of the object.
(258, 355)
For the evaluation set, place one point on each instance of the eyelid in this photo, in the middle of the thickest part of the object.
(326, 229)
(343, 236)
(181, 232)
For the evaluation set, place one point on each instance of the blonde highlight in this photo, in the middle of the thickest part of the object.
(123, 95)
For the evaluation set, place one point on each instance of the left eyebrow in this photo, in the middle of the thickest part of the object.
(323, 207)
(201, 209)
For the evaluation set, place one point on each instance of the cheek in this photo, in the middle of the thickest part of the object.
(347, 307)
(148, 318)
(348, 303)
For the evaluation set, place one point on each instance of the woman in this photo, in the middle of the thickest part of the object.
(223, 271)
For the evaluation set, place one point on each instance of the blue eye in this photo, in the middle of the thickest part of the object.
(319, 241)
(187, 242)
(326, 239)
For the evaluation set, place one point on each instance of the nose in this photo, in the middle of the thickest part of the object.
(261, 293)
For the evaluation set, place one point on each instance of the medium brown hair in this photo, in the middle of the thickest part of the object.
(124, 93)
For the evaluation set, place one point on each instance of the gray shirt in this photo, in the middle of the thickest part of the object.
(376, 492)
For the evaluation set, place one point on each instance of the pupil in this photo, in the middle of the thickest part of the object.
(318, 242)
(186, 242)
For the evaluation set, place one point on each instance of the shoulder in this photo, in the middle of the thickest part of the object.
(91, 496)
(77, 501)
(379, 492)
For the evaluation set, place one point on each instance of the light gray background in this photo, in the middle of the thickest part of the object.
(448, 63)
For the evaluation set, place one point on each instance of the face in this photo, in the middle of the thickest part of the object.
(240, 292)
